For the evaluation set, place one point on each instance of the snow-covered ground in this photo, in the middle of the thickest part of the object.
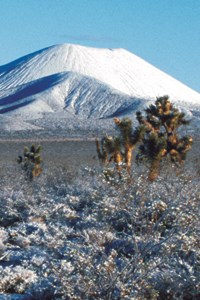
(72, 234)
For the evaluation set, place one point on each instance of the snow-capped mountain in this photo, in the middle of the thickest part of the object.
(85, 83)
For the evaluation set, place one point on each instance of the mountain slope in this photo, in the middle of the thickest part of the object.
(89, 82)
(78, 94)
(119, 68)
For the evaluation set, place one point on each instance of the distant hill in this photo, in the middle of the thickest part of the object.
(82, 85)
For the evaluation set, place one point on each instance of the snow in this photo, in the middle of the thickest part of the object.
(85, 81)
(9, 124)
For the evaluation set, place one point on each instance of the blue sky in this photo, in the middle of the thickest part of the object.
(166, 33)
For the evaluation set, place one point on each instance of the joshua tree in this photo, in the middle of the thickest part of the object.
(104, 149)
(108, 150)
(31, 161)
(129, 138)
(161, 139)
(119, 149)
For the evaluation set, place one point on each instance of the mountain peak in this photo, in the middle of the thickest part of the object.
(116, 67)
(88, 81)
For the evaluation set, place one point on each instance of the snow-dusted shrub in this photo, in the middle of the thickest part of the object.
(83, 237)
(16, 279)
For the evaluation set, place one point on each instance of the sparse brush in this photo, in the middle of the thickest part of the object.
(90, 239)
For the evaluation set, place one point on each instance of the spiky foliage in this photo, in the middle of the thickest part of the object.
(152, 150)
(129, 138)
(161, 138)
(120, 149)
(108, 151)
(31, 161)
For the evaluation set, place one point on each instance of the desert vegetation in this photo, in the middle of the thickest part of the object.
(78, 232)
(31, 161)
(158, 135)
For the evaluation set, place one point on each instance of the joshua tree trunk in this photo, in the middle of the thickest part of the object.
(128, 157)
(37, 170)
(118, 162)
(154, 169)
(102, 155)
